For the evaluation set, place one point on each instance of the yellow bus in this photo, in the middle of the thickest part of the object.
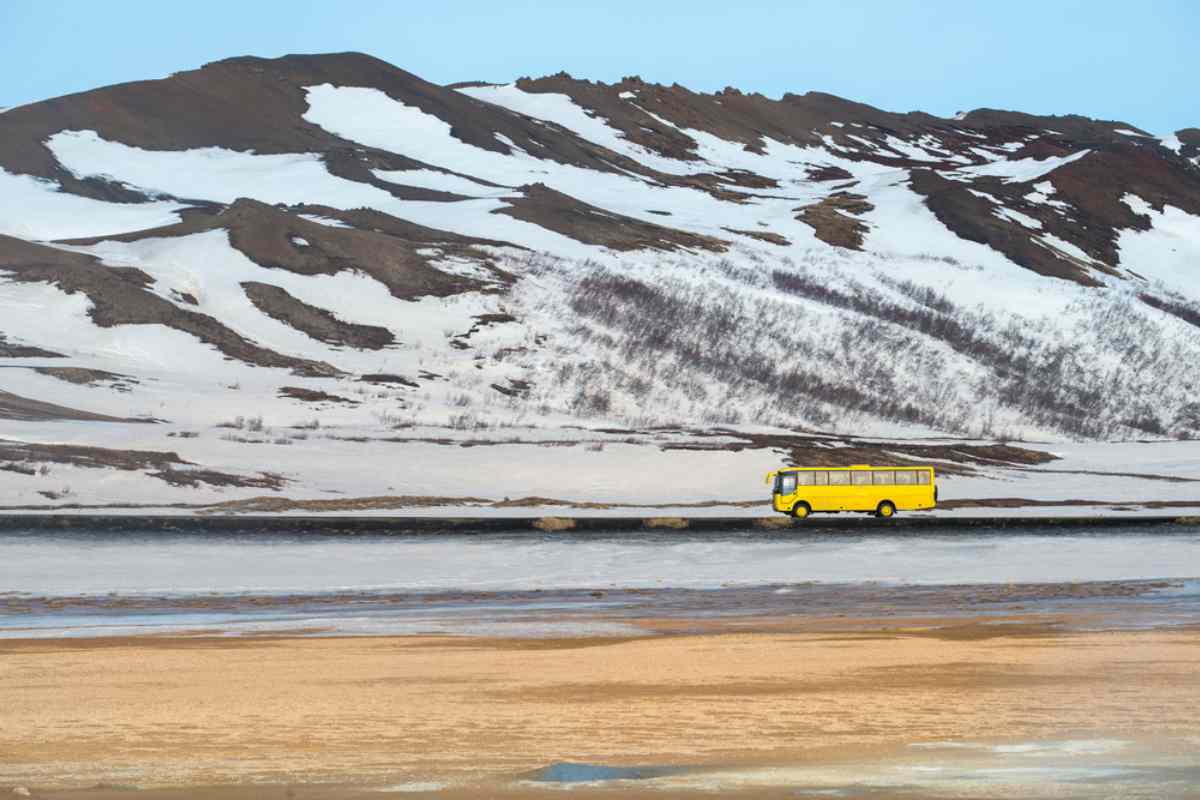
(883, 491)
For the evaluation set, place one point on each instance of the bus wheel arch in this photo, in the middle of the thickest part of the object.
(886, 509)
(801, 510)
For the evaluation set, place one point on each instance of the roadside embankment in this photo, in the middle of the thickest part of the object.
(549, 524)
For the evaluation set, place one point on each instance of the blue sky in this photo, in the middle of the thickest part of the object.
(1136, 62)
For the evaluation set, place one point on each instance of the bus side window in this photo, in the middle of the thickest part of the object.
(923, 477)
(820, 478)
(884, 477)
(839, 477)
(905, 477)
(804, 478)
(862, 478)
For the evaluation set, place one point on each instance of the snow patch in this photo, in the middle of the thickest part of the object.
(1172, 143)
(1063, 246)
(413, 786)
(1016, 216)
(37, 209)
(440, 181)
(867, 143)
(1137, 205)
(328, 222)
(1169, 252)
(1041, 194)
(1073, 747)
(214, 173)
(1021, 170)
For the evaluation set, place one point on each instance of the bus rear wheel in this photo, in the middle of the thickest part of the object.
(801, 510)
(886, 510)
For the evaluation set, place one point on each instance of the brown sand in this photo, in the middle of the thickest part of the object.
(177, 711)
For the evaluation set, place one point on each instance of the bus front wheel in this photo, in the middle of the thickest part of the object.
(801, 510)
(886, 510)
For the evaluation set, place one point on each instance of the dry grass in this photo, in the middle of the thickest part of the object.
(554, 524)
(673, 523)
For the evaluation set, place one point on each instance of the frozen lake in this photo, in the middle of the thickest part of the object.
(82, 562)
(104, 583)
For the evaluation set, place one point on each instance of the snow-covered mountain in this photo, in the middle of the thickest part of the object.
(331, 238)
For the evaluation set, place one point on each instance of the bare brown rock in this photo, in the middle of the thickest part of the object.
(563, 214)
(318, 323)
(762, 236)
(85, 376)
(167, 466)
(833, 219)
(313, 395)
(13, 350)
(15, 407)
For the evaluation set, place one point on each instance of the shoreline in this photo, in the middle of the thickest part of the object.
(579, 613)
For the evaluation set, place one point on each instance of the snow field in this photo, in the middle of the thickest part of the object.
(35, 209)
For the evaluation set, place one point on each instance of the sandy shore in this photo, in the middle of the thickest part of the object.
(470, 715)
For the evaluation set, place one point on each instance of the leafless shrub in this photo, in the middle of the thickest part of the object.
(592, 402)
(728, 415)
(839, 341)
(1176, 306)
(241, 423)
(233, 437)
(395, 417)
(467, 422)
(1146, 422)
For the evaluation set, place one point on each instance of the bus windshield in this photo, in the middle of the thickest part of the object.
(785, 483)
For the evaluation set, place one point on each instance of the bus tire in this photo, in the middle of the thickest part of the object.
(886, 510)
(801, 510)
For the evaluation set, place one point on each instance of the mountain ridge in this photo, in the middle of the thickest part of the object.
(186, 111)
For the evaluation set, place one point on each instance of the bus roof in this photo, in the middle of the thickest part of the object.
(859, 466)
